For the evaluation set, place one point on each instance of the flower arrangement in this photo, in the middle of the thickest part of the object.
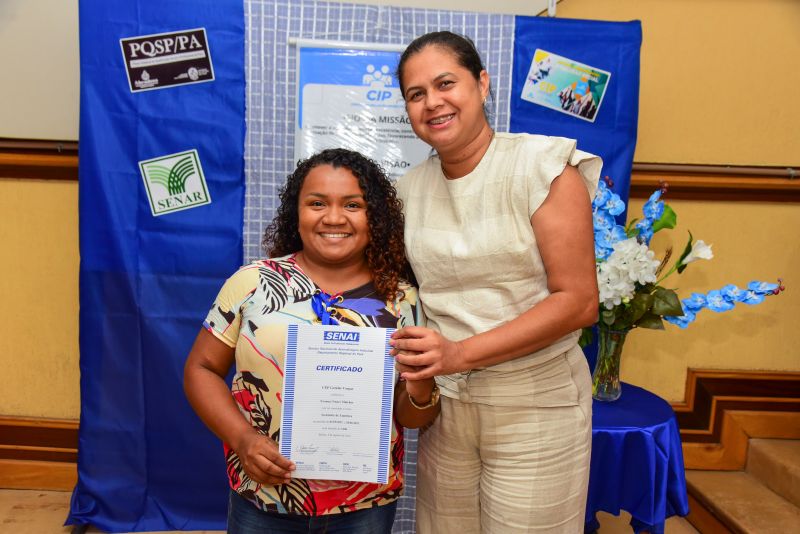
(630, 276)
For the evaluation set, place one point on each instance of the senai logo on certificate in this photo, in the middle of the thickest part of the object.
(174, 182)
(565, 85)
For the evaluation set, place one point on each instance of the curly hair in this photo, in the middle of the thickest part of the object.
(385, 252)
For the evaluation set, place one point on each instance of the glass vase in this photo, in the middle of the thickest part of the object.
(605, 379)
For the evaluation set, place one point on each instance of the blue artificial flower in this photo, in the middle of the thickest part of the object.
(717, 302)
(603, 220)
(607, 201)
(615, 205)
(751, 297)
(762, 287)
(607, 238)
(602, 196)
(695, 303)
(602, 253)
(681, 320)
(732, 293)
(653, 208)
(645, 227)
(618, 232)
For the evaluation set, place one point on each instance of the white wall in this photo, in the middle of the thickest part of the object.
(39, 69)
(39, 72)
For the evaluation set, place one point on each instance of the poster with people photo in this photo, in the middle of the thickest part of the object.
(565, 85)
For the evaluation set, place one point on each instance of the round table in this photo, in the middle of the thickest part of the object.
(637, 461)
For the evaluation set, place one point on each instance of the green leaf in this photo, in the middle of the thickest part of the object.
(629, 226)
(630, 231)
(623, 320)
(686, 250)
(608, 317)
(666, 302)
(651, 321)
(586, 337)
(668, 219)
(640, 305)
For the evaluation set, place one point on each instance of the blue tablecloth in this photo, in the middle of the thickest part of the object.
(637, 461)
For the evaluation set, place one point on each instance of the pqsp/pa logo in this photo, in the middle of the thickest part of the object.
(167, 59)
(174, 182)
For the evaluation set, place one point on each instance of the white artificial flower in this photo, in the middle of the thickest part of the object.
(700, 251)
(630, 263)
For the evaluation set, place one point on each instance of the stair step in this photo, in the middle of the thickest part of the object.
(776, 464)
(741, 502)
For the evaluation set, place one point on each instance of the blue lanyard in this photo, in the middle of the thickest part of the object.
(322, 303)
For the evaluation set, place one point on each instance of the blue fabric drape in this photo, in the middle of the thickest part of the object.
(145, 460)
(609, 46)
(637, 461)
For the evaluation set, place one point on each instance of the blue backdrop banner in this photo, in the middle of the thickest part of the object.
(580, 79)
(161, 204)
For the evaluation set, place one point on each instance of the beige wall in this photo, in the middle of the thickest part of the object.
(751, 241)
(724, 43)
(39, 286)
(717, 78)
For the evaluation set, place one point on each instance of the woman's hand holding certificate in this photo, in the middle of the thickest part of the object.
(261, 459)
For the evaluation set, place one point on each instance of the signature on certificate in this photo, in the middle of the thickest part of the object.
(308, 448)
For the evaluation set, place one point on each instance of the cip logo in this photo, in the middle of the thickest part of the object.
(378, 80)
(174, 182)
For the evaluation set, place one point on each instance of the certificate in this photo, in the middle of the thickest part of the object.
(338, 390)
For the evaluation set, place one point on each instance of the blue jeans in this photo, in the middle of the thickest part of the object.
(245, 518)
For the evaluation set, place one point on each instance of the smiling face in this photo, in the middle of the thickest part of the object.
(332, 218)
(444, 101)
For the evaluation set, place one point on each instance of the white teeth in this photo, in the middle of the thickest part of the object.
(334, 235)
(440, 120)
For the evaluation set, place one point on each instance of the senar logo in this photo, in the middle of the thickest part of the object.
(174, 182)
(333, 335)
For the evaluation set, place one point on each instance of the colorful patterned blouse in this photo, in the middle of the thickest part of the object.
(251, 314)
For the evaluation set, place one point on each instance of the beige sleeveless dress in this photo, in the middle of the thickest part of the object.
(510, 450)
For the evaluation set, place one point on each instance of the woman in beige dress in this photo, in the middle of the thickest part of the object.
(499, 234)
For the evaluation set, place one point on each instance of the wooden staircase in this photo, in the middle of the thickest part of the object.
(741, 444)
(764, 498)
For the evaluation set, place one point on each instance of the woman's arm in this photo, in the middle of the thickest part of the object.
(204, 383)
(563, 228)
(405, 413)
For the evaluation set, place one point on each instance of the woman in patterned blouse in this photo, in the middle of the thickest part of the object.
(336, 256)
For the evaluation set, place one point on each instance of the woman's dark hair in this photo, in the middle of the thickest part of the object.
(385, 252)
(460, 46)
